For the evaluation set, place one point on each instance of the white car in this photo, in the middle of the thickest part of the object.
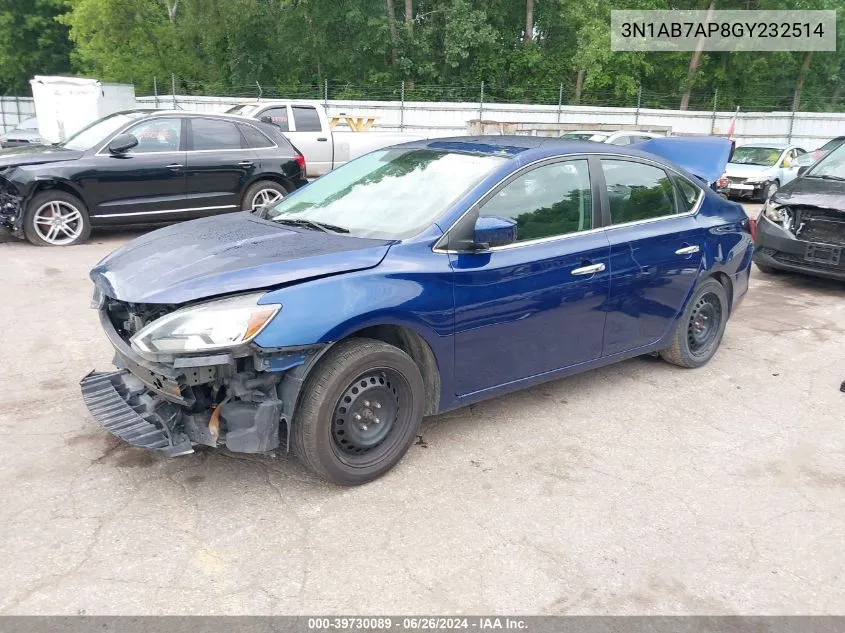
(307, 126)
(758, 170)
(623, 137)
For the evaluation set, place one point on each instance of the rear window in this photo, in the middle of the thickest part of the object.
(306, 119)
(254, 138)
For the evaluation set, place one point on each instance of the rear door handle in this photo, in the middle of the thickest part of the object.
(589, 270)
(175, 166)
(687, 250)
(322, 138)
(245, 163)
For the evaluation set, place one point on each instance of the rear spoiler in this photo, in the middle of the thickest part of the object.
(703, 156)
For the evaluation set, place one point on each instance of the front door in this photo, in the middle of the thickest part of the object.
(220, 165)
(656, 250)
(538, 304)
(147, 182)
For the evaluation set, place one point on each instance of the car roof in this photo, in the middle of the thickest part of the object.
(214, 115)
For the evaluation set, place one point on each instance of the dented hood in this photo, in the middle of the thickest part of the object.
(35, 155)
(813, 192)
(224, 254)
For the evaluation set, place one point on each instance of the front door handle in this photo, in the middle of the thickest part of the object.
(687, 250)
(322, 139)
(175, 166)
(245, 163)
(589, 270)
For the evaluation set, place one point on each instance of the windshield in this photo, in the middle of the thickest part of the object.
(832, 166)
(580, 136)
(763, 156)
(99, 131)
(387, 194)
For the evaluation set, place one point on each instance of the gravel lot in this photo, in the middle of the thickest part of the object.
(638, 488)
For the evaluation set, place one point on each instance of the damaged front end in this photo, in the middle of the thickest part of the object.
(11, 207)
(239, 397)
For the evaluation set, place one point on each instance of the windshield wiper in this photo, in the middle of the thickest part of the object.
(826, 177)
(313, 224)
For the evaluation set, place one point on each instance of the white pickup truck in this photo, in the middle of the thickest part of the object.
(307, 126)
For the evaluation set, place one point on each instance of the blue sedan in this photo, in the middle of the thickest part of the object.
(411, 281)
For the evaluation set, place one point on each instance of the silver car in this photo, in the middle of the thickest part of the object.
(758, 171)
(24, 133)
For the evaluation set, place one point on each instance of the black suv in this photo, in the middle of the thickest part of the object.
(144, 167)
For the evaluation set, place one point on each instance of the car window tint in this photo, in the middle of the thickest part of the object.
(157, 135)
(637, 191)
(688, 194)
(306, 119)
(215, 134)
(254, 138)
(621, 140)
(276, 116)
(550, 200)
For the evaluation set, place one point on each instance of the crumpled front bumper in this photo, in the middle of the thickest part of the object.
(122, 404)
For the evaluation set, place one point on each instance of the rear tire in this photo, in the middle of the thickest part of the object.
(699, 331)
(262, 193)
(56, 218)
(361, 409)
(768, 270)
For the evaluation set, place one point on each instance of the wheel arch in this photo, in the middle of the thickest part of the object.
(724, 279)
(45, 184)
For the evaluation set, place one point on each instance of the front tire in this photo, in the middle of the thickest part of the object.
(261, 194)
(699, 331)
(770, 190)
(361, 410)
(768, 270)
(56, 218)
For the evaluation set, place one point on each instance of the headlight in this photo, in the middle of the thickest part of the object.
(755, 179)
(777, 213)
(209, 326)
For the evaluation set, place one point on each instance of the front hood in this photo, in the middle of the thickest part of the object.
(813, 192)
(225, 254)
(735, 170)
(35, 155)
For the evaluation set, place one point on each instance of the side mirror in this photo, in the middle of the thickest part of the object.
(266, 119)
(491, 230)
(122, 143)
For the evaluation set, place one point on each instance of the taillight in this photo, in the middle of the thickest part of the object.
(752, 227)
(300, 160)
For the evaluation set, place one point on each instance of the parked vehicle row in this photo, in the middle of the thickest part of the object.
(24, 133)
(758, 171)
(144, 167)
(307, 126)
(622, 137)
(357, 305)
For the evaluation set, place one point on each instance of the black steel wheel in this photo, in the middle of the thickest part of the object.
(360, 411)
(700, 328)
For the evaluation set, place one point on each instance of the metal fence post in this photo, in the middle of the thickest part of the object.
(402, 107)
(18, 109)
(713, 118)
(155, 92)
(260, 91)
(325, 93)
(791, 126)
(3, 113)
(559, 101)
(481, 103)
(639, 102)
(173, 88)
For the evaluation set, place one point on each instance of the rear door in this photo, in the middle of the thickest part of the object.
(656, 249)
(535, 305)
(309, 137)
(219, 166)
(146, 183)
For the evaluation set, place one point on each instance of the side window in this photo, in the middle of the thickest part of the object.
(621, 140)
(276, 116)
(550, 200)
(688, 194)
(157, 135)
(637, 191)
(306, 119)
(214, 134)
(254, 138)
